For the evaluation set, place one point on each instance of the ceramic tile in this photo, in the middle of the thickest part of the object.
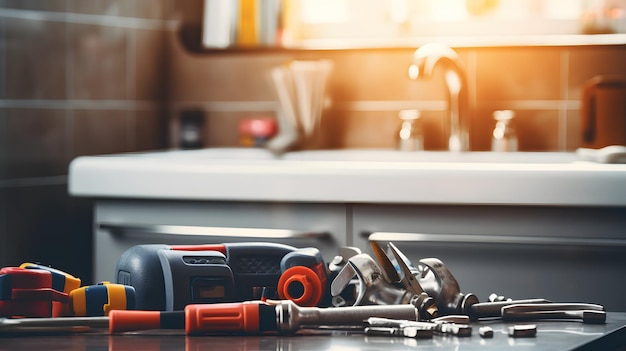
(35, 143)
(221, 77)
(535, 129)
(538, 130)
(573, 133)
(221, 128)
(40, 5)
(366, 129)
(189, 11)
(380, 75)
(125, 8)
(149, 66)
(99, 57)
(481, 128)
(150, 130)
(152, 9)
(101, 132)
(34, 59)
(518, 74)
(587, 62)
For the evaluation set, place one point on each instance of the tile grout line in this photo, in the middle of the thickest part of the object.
(69, 89)
(131, 86)
(564, 97)
(78, 104)
(82, 18)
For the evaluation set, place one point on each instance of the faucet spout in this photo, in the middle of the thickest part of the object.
(425, 60)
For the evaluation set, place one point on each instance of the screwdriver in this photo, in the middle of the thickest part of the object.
(251, 317)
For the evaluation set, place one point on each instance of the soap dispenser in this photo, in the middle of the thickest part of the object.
(504, 138)
(410, 135)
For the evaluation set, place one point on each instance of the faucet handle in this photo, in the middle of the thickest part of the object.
(410, 135)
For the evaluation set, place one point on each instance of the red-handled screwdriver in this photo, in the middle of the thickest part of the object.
(252, 317)
(283, 316)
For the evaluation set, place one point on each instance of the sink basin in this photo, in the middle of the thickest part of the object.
(379, 155)
(369, 155)
(352, 176)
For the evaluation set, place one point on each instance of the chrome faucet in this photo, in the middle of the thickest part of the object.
(425, 60)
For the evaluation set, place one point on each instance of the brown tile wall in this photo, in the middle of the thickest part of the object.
(542, 85)
(76, 78)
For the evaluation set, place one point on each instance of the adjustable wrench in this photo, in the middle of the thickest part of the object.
(373, 289)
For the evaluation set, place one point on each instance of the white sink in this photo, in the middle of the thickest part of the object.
(379, 155)
(367, 155)
(352, 176)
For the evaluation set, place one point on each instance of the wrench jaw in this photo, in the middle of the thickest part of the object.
(421, 300)
(439, 283)
(372, 288)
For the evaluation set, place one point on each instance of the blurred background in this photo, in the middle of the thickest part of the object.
(110, 76)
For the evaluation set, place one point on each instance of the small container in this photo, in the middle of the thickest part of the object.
(410, 136)
(504, 137)
(191, 129)
(255, 132)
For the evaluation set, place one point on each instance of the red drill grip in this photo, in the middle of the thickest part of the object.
(238, 317)
(122, 321)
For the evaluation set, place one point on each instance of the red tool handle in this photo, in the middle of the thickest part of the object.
(250, 317)
(239, 317)
(127, 320)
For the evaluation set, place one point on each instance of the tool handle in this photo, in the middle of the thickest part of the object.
(249, 317)
(123, 321)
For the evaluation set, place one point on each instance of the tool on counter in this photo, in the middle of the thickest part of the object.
(34, 290)
(421, 300)
(523, 331)
(29, 293)
(61, 281)
(406, 331)
(435, 280)
(494, 309)
(287, 316)
(438, 282)
(101, 299)
(251, 317)
(431, 277)
(373, 289)
(167, 278)
(437, 325)
(586, 312)
(485, 332)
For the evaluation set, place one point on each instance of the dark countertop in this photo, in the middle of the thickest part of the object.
(551, 335)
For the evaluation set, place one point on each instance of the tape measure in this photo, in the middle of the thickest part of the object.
(61, 281)
(100, 299)
(34, 290)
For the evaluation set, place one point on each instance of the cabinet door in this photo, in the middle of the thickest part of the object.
(120, 225)
(562, 254)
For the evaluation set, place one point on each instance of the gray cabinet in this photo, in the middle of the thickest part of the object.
(559, 253)
(120, 224)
